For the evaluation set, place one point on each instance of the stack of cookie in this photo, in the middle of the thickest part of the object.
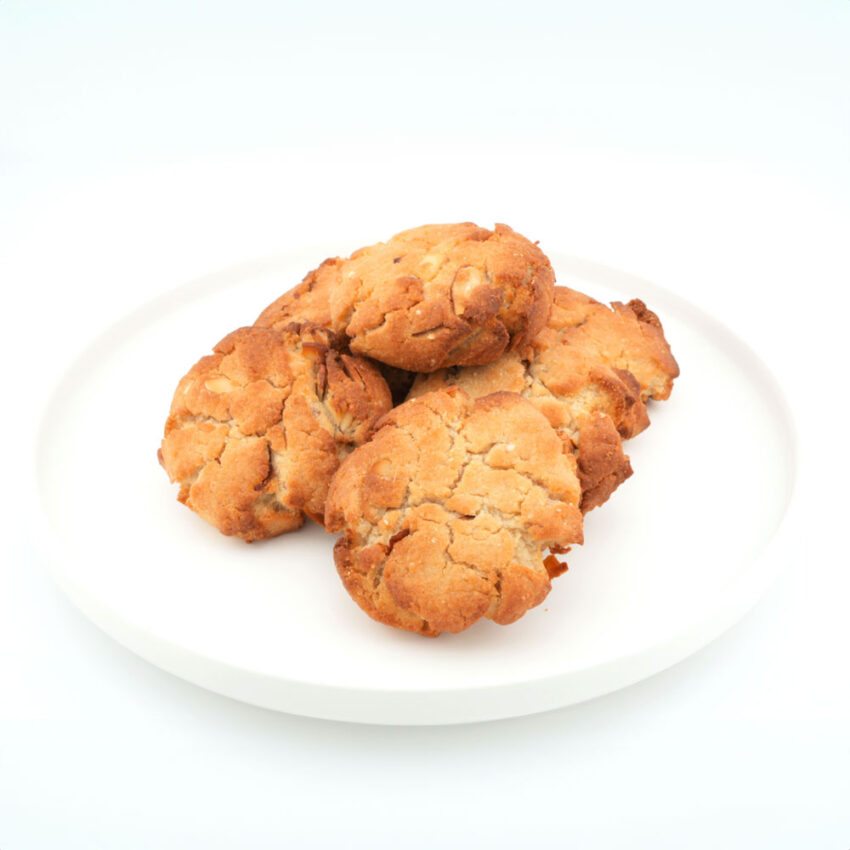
(512, 398)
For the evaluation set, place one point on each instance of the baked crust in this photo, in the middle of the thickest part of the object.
(307, 302)
(435, 296)
(257, 429)
(310, 302)
(447, 511)
(590, 371)
(625, 337)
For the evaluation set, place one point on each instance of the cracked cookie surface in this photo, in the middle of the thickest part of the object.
(447, 511)
(590, 371)
(434, 296)
(310, 301)
(257, 429)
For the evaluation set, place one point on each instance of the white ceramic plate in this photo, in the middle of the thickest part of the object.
(673, 559)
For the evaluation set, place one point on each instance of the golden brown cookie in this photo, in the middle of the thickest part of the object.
(257, 429)
(447, 511)
(434, 296)
(590, 371)
(628, 338)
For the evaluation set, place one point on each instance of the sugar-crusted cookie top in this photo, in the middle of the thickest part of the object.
(447, 511)
(257, 429)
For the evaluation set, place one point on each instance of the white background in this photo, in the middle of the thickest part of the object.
(704, 146)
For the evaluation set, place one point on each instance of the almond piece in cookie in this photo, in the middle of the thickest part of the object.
(447, 511)
(590, 371)
(257, 430)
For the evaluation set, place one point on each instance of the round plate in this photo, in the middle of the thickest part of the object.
(673, 559)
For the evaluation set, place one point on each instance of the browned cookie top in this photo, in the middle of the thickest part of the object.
(448, 508)
(307, 302)
(258, 428)
(590, 371)
(310, 302)
(434, 296)
(625, 337)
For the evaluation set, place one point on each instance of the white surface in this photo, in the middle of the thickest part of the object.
(703, 147)
(642, 594)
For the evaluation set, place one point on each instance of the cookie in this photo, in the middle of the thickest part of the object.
(628, 338)
(590, 371)
(257, 429)
(447, 510)
(434, 296)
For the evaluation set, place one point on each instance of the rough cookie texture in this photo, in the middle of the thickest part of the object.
(434, 296)
(626, 337)
(310, 302)
(590, 371)
(258, 428)
(448, 508)
(307, 302)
